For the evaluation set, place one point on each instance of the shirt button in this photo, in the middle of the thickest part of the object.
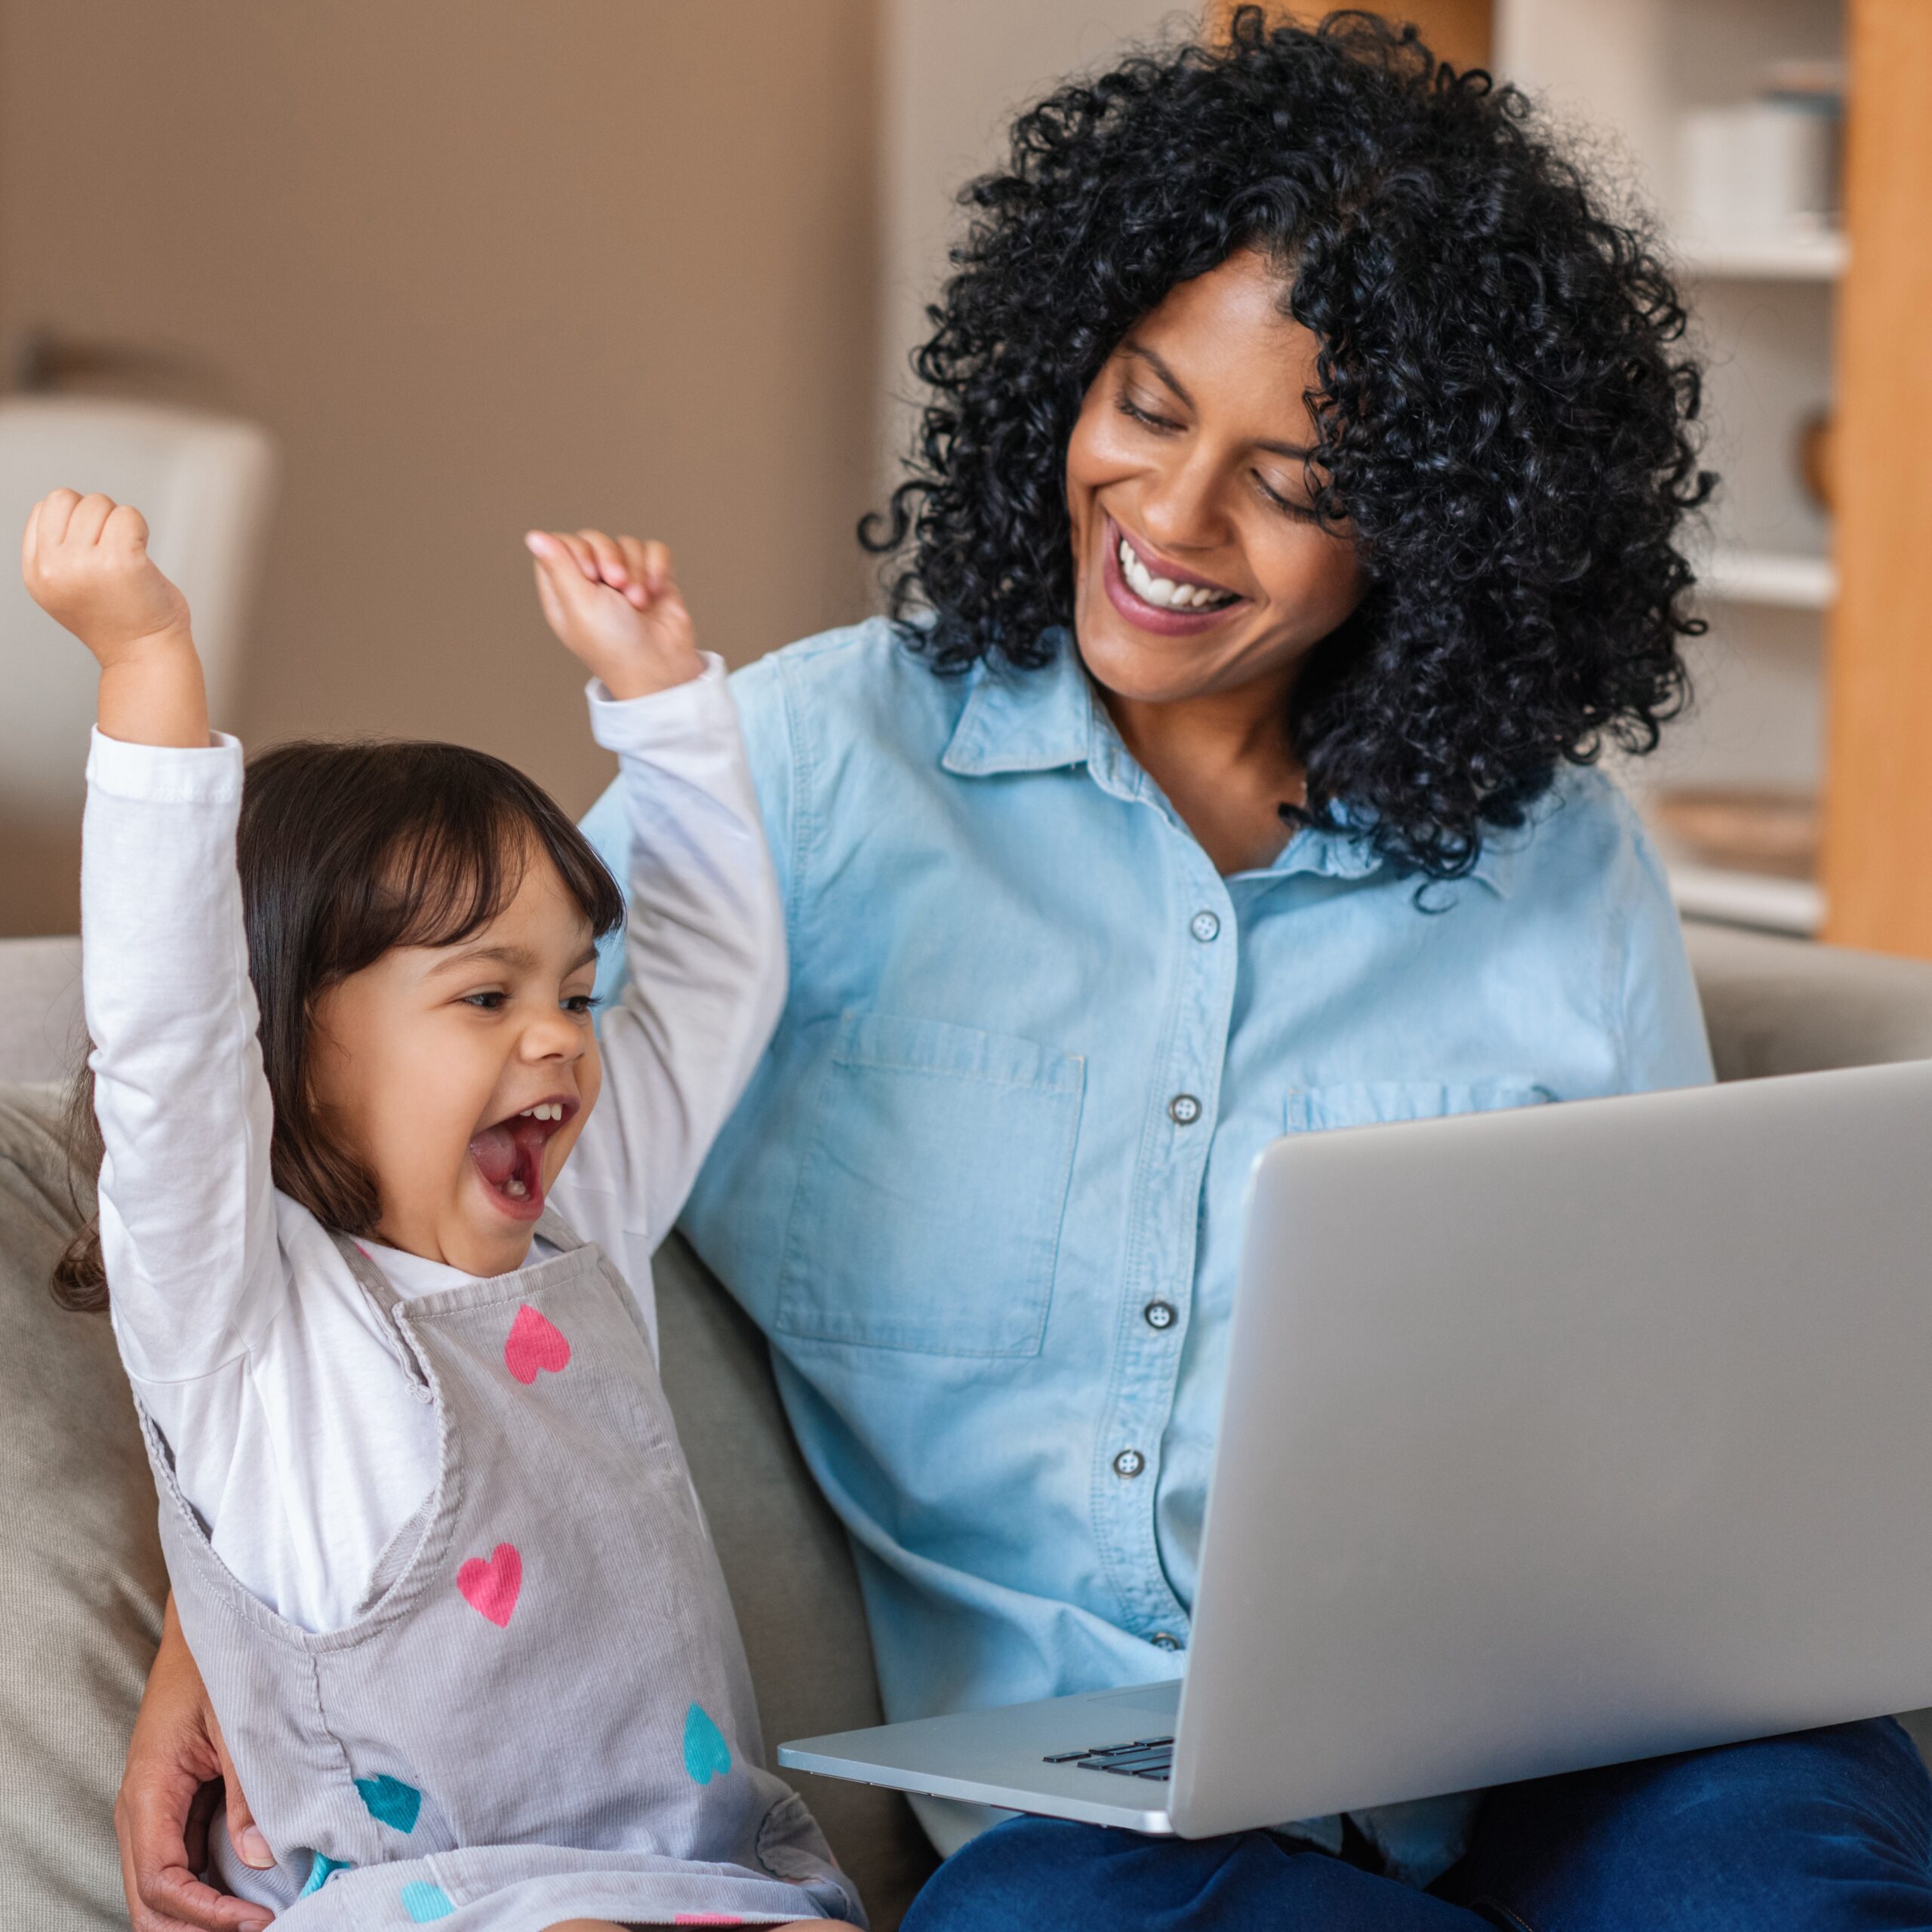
(1129, 1462)
(1158, 1315)
(1164, 1640)
(1183, 1110)
(1204, 926)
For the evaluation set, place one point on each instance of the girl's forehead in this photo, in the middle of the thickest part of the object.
(539, 928)
(540, 913)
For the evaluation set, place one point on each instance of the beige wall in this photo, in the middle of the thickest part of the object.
(953, 76)
(477, 263)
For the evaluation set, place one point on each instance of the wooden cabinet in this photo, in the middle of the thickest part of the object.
(1878, 857)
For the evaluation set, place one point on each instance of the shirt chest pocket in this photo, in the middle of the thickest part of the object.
(928, 1206)
(1366, 1102)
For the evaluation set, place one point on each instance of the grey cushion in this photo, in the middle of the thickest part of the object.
(82, 1580)
(1784, 1006)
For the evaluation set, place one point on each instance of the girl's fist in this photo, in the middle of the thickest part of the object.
(86, 563)
(612, 602)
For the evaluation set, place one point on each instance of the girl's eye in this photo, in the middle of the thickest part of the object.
(485, 1002)
(581, 1003)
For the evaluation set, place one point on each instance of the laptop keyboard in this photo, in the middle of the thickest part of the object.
(1144, 1758)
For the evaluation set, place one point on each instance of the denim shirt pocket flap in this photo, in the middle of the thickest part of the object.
(927, 1210)
(1370, 1103)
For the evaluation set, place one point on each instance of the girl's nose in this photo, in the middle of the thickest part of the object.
(553, 1036)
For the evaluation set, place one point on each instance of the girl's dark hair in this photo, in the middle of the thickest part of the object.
(1502, 409)
(345, 852)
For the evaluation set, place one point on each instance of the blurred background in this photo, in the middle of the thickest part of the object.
(351, 292)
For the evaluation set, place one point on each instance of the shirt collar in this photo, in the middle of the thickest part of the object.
(1050, 720)
(1025, 721)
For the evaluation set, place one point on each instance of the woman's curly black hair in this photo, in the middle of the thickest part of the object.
(1505, 412)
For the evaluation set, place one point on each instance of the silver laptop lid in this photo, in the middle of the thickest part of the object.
(1565, 1435)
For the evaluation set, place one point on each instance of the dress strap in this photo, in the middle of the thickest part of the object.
(384, 1299)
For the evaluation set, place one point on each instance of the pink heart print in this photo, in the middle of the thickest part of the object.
(535, 1343)
(492, 1587)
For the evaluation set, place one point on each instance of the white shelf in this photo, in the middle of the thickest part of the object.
(1766, 577)
(1801, 257)
(1792, 906)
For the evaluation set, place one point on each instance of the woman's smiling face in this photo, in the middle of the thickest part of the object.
(1199, 567)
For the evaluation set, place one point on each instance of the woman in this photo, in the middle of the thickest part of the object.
(1294, 522)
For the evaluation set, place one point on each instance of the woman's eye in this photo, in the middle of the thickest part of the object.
(1146, 418)
(485, 1002)
(1301, 512)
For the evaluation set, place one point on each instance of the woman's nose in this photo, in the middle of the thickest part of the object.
(1180, 505)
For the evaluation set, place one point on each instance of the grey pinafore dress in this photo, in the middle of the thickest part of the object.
(541, 1709)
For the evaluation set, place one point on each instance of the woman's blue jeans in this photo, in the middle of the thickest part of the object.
(1830, 1831)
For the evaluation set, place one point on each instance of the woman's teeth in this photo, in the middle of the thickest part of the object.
(1157, 590)
(543, 1110)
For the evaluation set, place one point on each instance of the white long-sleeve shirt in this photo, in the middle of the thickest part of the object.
(296, 1434)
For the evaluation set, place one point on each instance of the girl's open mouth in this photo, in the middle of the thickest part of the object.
(509, 1155)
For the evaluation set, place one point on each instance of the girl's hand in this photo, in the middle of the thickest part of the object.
(167, 1795)
(86, 563)
(612, 602)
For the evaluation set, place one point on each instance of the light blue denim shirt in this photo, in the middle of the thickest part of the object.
(985, 1192)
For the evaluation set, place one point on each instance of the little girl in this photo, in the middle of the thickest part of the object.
(432, 1539)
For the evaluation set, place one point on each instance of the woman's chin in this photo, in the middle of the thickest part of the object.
(1140, 668)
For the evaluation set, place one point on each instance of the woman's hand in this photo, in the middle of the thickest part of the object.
(86, 563)
(613, 603)
(167, 1795)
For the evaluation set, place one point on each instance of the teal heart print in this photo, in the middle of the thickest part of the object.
(707, 1754)
(320, 1870)
(391, 1802)
(424, 1903)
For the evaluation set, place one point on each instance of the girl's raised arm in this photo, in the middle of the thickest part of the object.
(705, 942)
(187, 1221)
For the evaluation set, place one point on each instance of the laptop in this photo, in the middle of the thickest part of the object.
(1552, 1438)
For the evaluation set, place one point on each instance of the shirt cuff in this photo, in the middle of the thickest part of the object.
(166, 774)
(698, 707)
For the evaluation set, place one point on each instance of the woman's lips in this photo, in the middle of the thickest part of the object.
(1161, 618)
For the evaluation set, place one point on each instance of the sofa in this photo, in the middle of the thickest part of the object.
(81, 1581)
